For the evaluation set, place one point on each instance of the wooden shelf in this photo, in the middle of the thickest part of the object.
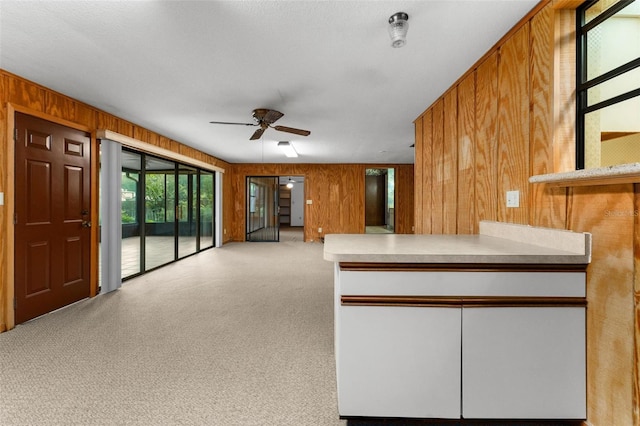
(284, 203)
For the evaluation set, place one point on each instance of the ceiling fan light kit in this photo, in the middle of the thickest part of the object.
(288, 149)
(398, 27)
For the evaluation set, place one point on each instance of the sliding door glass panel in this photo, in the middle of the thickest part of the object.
(187, 210)
(262, 208)
(160, 210)
(253, 207)
(131, 195)
(206, 210)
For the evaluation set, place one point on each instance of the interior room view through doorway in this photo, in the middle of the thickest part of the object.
(379, 201)
(275, 208)
(291, 208)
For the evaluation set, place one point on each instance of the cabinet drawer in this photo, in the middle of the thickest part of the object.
(463, 283)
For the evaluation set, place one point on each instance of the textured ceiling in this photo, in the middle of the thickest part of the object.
(173, 66)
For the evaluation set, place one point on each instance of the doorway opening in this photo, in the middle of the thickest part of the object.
(380, 201)
(291, 208)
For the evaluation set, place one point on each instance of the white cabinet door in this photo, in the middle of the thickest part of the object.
(399, 361)
(524, 363)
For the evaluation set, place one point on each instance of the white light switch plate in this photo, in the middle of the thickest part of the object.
(513, 198)
(309, 202)
(1, 198)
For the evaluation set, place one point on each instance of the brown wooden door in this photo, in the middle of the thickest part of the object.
(374, 200)
(52, 237)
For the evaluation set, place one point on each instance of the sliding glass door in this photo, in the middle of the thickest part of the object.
(132, 208)
(167, 211)
(187, 210)
(262, 208)
(207, 201)
(160, 187)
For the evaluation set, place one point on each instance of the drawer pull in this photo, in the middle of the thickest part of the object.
(467, 302)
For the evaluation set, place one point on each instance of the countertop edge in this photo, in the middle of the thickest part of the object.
(462, 259)
(562, 247)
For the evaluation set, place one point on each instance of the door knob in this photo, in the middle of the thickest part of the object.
(86, 224)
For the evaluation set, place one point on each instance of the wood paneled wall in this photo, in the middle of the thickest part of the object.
(337, 194)
(486, 142)
(466, 223)
(22, 95)
(437, 165)
(514, 118)
(513, 124)
(608, 213)
(550, 202)
(450, 163)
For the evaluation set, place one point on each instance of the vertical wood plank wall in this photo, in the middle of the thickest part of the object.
(608, 213)
(514, 115)
(418, 174)
(427, 185)
(513, 124)
(550, 203)
(450, 163)
(336, 192)
(437, 164)
(423, 174)
(466, 155)
(486, 147)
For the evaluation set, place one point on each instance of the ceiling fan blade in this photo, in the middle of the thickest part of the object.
(237, 124)
(257, 134)
(271, 116)
(292, 130)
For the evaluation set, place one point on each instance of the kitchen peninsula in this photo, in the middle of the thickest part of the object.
(487, 326)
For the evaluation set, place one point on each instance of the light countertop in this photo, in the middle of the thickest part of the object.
(496, 243)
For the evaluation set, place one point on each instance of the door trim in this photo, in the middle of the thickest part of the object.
(9, 291)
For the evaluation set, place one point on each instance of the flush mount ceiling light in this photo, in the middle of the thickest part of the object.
(287, 148)
(398, 27)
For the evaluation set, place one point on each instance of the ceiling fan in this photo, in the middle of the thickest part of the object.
(265, 118)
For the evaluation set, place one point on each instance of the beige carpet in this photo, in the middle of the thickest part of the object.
(240, 335)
